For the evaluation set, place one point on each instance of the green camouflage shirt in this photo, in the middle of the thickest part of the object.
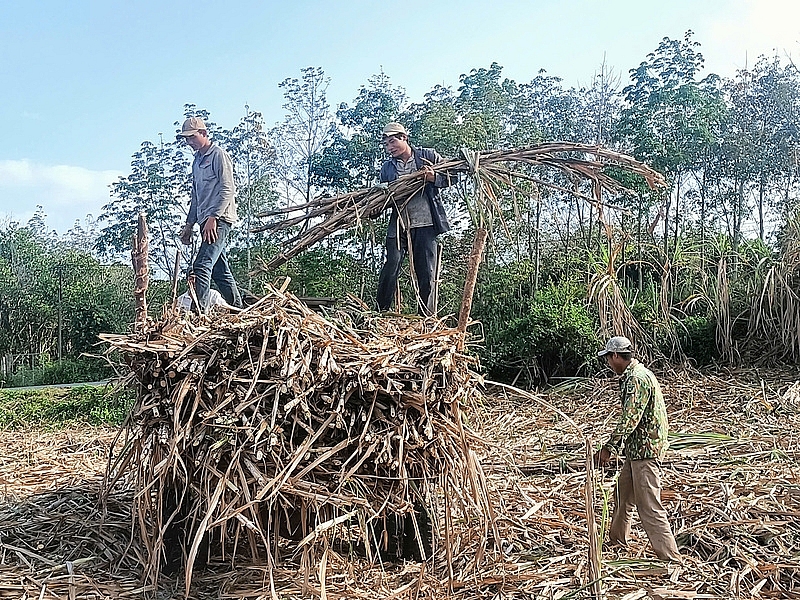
(643, 426)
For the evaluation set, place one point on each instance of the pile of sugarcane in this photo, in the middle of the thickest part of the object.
(278, 422)
(490, 174)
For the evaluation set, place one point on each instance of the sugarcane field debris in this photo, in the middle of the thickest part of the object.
(280, 452)
(731, 488)
(277, 420)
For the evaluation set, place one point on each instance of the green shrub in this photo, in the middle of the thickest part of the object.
(68, 370)
(552, 334)
(697, 337)
(53, 407)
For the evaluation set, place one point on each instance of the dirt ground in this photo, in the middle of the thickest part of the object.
(731, 487)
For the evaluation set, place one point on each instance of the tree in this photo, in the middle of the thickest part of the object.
(670, 117)
(757, 140)
(158, 185)
(352, 159)
(253, 166)
(304, 131)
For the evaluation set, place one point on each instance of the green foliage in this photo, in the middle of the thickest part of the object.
(353, 157)
(157, 186)
(68, 370)
(59, 407)
(540, 334)
(302, 134)
(697, 337)
(321, 273)
(44, 283)
(700, 254)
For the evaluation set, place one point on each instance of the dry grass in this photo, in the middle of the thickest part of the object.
(731, 486)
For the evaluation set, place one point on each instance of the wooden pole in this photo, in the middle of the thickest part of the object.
(176, 269)
(141, 270)
(433, 300)
(475, 257)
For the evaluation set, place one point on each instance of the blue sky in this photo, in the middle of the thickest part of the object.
(83, 83)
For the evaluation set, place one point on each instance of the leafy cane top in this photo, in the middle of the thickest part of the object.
(643, 425)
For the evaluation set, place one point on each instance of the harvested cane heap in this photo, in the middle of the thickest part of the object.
(280, 423)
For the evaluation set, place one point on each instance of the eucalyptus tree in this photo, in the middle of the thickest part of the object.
(158, 186)
(303, 133)
(670, 119)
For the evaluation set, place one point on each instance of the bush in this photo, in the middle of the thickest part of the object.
(58, 406)
(68, 370)
(553, 336)
(697, 337)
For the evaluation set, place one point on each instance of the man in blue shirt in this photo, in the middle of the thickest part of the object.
(213, 207)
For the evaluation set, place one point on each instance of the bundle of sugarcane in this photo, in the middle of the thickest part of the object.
(278, 421)
(491, 172)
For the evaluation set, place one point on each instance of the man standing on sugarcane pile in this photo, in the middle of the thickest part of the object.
(642, 429)
(213, 206)
(419, 223)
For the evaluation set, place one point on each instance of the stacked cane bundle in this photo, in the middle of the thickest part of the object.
(280, 422)
(490, 174)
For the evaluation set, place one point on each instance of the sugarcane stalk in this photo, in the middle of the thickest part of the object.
(594, 575)
(475, 257)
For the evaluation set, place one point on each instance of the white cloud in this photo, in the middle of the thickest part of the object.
(67, 193)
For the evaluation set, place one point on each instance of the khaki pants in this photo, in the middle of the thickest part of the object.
(639, 485)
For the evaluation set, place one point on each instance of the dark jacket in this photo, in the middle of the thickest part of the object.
(422, 157)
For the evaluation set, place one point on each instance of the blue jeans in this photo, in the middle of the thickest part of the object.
(210, 263)
(423, 253)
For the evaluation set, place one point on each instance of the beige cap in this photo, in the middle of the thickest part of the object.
(394, 128)
(618, 343)
(191, 126)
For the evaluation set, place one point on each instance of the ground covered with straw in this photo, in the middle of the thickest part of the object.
(731, 486)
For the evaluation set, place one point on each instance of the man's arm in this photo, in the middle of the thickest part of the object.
(388, 172)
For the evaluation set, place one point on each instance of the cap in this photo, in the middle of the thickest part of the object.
(191, 126)
(618, 343)
(394, 128)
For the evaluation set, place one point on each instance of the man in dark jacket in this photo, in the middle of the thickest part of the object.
(418, 224)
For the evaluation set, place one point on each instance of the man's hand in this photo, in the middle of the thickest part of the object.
(210, 230)
(428, 173)
(186, 234)
(602, 457)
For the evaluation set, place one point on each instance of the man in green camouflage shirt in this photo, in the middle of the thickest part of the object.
(642, 430)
